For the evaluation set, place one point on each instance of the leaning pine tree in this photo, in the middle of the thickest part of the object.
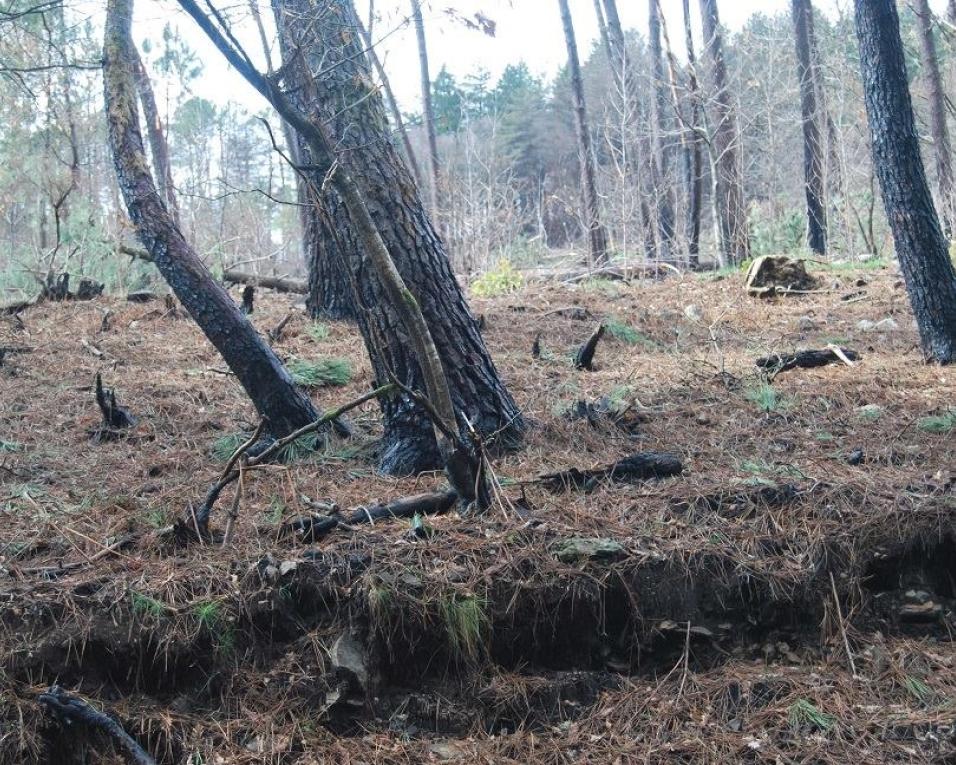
(249, 357)
(920, 245)
(375, 214)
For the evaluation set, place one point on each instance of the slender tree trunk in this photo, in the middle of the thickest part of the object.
(397, 119)
(346, 102)
(937, 113)
(428, 113)
(635, 144)
(660, 127)
(694, 175)
(920, 244)
(602, 25)
(802, 12)
(597, 239)
(157, 136)
(249, 357)
(726, 145)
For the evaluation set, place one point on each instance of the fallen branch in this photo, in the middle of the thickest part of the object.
(777, 362)
(585, 356)
(311, 528)
(200, 519)
(637, 467)
(277, 283)
(65, 568)
(70, 710)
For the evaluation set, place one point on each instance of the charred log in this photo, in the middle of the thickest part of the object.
(641, 466)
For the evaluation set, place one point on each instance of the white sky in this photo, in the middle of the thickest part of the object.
(528, 30)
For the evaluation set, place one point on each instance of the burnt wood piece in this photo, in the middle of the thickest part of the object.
(70, 710)
(310, 528)
(11, 349)
(804, 359)
(637, 467)
(536, 347)
(56, 288)
(585, 355)
(248, 299)
(115, 417)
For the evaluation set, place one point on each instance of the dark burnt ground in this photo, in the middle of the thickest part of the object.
(707, 631)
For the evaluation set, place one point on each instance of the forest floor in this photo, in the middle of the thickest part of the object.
(790, 597)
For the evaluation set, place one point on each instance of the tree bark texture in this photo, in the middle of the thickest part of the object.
(731, 207)
(597, 238)
(331, 79)
(802, 12)
(920, 244)
(939, 132)
(256, 367)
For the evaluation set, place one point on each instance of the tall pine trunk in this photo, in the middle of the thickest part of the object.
(346, 101)
(730, 204)
(597, 238)
(428, 113)
(802, 12)
(920, 244)
(660, 128)
(248, 356)
(693, 162)
(937, 112)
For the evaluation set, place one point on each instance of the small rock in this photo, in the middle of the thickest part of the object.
(446, 750)
(856, 457)
(349, 654)
(806, 324)
(581, 549)
(693, 312)
(141, 296)
(870, 411)
(920, 612)
(287, 567)
(883, 325)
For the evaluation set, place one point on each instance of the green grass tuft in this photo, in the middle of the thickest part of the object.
(466, 623)
(143, 605)
(500, 280)
(213, 622)
(804, 713)
(918, 689)
(224, 447)
(10, 446)
(317, 374)
(624, 332)
(765, 396)
(939, 424)
(318, 331)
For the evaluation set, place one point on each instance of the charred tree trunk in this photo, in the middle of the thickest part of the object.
(660, 129)
(920, 244)
(345, 100)
(735, 237)
(597, 238)
(693, 167)
(256, 367)
(428, 113)
(937, 112)
(802, 12)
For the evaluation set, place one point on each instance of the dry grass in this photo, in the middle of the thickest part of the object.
(199, 651)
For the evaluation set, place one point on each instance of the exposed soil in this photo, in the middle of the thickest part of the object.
(699, 618)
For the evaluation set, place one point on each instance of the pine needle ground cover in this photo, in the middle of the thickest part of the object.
(789, 597)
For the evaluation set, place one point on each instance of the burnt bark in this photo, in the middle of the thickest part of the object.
(939, 132)
(345, 100)
(256, 367)
(597, 238)
(731, 207)
(802, 13)
(920, 245)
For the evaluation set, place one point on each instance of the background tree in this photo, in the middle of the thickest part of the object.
(428, 114)
(937, 112)
(920, 245)
(730, 205)
(802, 11)
(661, 129)
(597, 238)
